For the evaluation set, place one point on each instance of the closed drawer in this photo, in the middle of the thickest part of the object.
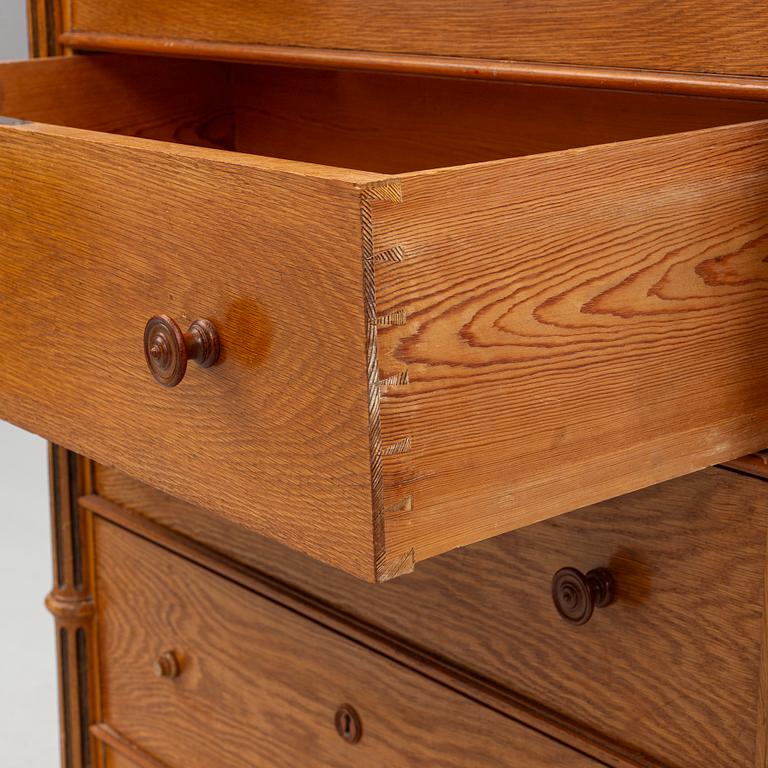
(673, 669)
(197, 671)
(702, 39)
(495, 321)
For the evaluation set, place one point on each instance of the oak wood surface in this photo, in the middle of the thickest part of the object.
(692, 36)
(530, 328)
(119, 752)
(260, 685)
(71, 604)
(612, 78)
(128, 95)
(564, 328)
(383, 123)
(680, 652)
(101, 232)
(753, 464)
(115, 760)
(393, 124)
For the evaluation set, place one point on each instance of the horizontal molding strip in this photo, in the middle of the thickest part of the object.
(721, 86)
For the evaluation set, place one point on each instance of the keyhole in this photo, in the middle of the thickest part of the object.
(348, 724)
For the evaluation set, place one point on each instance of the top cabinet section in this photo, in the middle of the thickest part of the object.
(692, 36)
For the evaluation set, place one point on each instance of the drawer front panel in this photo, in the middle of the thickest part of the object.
(258, 685)
(692, 37)
(99, 233)
(679, 652)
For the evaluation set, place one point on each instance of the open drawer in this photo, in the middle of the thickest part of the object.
(525, 299)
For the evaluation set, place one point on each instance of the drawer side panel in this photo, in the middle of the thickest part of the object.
(572, 326)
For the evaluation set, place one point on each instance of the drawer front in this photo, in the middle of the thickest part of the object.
(114, 759)
(196, 671)
(671, 669)
(99, 233)
(408, 363)
(696, 38)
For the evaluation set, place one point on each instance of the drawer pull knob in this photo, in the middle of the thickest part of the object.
(167, 666)
(348, 724)
(576, 595)
(167, 349)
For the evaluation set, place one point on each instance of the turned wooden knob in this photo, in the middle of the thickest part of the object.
(167, 349)
(167, 665)
(576, 595)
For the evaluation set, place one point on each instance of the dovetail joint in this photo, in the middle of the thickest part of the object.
(391, 255)
(395, 380)
(395, 449)
(404, 505)
(398, 317)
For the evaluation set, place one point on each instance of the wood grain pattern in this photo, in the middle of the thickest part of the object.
(410, 358)
(375, 122)
(612, 78)
(693, 36)
(271, 681)
(394, 124)
(753, 464)
(101, 232)
(679, 653)
(571, 326)
(115, 760)
(119, 752)
(71, 604)
(127, 95)
(45, 22)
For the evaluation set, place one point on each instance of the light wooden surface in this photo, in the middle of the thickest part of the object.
(101, 232)
(678, 653)
(123, 94)
(690, 36)
(383, 123)
(393, 124)
(572, 326)
(611, 78)
(267, 683)
(538, 333)
(115, 760)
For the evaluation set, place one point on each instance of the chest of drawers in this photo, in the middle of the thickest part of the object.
(312, 295)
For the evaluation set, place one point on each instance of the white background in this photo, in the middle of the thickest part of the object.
(28, 695)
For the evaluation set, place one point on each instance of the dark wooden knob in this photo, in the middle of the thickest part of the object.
(576, 595)
(167, 665)
(167, 349)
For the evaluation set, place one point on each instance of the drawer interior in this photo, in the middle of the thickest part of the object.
(383, 123)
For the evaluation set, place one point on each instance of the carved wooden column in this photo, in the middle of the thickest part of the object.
(71, 603)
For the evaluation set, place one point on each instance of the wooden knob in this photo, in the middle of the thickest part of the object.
(167, 349)
(167, 665)
(576, 596)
